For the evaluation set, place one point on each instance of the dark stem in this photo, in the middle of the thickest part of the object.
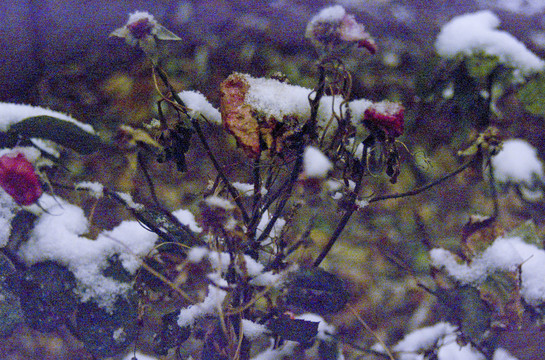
(234, 193)
(149, 180)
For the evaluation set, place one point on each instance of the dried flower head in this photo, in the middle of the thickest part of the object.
(142, 29)
(18, 179)
(333, 28)
(387, 116)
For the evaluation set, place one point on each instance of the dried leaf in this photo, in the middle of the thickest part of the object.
(237, 116)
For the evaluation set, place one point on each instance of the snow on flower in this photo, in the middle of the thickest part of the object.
(333, 27)
(477, 32)
(315, 164)
(505, 254)
(517, 162)
(199, 105)
(387, 116)
(18, 178)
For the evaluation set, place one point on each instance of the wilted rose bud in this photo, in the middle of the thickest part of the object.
(142, 29)
(19, 180)
(333, 28)
(387, 116)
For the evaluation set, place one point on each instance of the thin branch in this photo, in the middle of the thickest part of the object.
(234, 193)
(425, 187)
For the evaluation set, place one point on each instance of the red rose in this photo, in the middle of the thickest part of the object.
(387, 116)
(19, 180)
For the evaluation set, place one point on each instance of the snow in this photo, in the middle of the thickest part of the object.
(218, 202)
(221, 261)
(139, 356)
(325, 330)
(502, 354)
(517, 162)
(57, 236)
(252, 331)
(277, 227)
(199, 105)
(13, 113)
(526, 7)
(187, 218)
(441, 336)
(95, 189)
(129, 202)
(475, 32)
(247, 189)
(8, 209)
(208, 306)
(505, 254)
(280, 352)
(315, 164)
(329, 14)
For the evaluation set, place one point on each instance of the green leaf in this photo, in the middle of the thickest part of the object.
(532, 95)
(481, 65)
(62, 132)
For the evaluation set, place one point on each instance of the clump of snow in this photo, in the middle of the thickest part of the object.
(517, 162)
(280, 101)
(330, 14)
(218, 202)
(275, 353)
(441, 336)
(247, 189)
(505, 254)
(315, 164)
(187, 218)
(13, 113)
(58, 236)
(252, 331)
(95, 189)
(199, 105)
(221, 261)
(502, 354)
(208, 306)
(129, 202)
(472, 33)
(8, 209)
(277, 227)
(138, 355)
(325, 330)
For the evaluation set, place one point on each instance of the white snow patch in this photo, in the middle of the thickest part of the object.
(218, 202)
(199, 105)
(277, 227)
(325, 330)
(505, 254)
(13, 113)
(517, 162)
(472, 33)
(252, 331)
(502, 354)
(95, 189)
(57, 236)
(8, 209)
(187, 218)
(208, 306)
(315, 164)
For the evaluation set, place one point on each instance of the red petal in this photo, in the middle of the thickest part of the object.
(19, 180)
(388, 116)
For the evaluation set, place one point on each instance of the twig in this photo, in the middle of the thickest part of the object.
(425, 187)
(230, 188)
(353, 311)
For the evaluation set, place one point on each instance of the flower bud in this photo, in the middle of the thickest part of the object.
(18, 179)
